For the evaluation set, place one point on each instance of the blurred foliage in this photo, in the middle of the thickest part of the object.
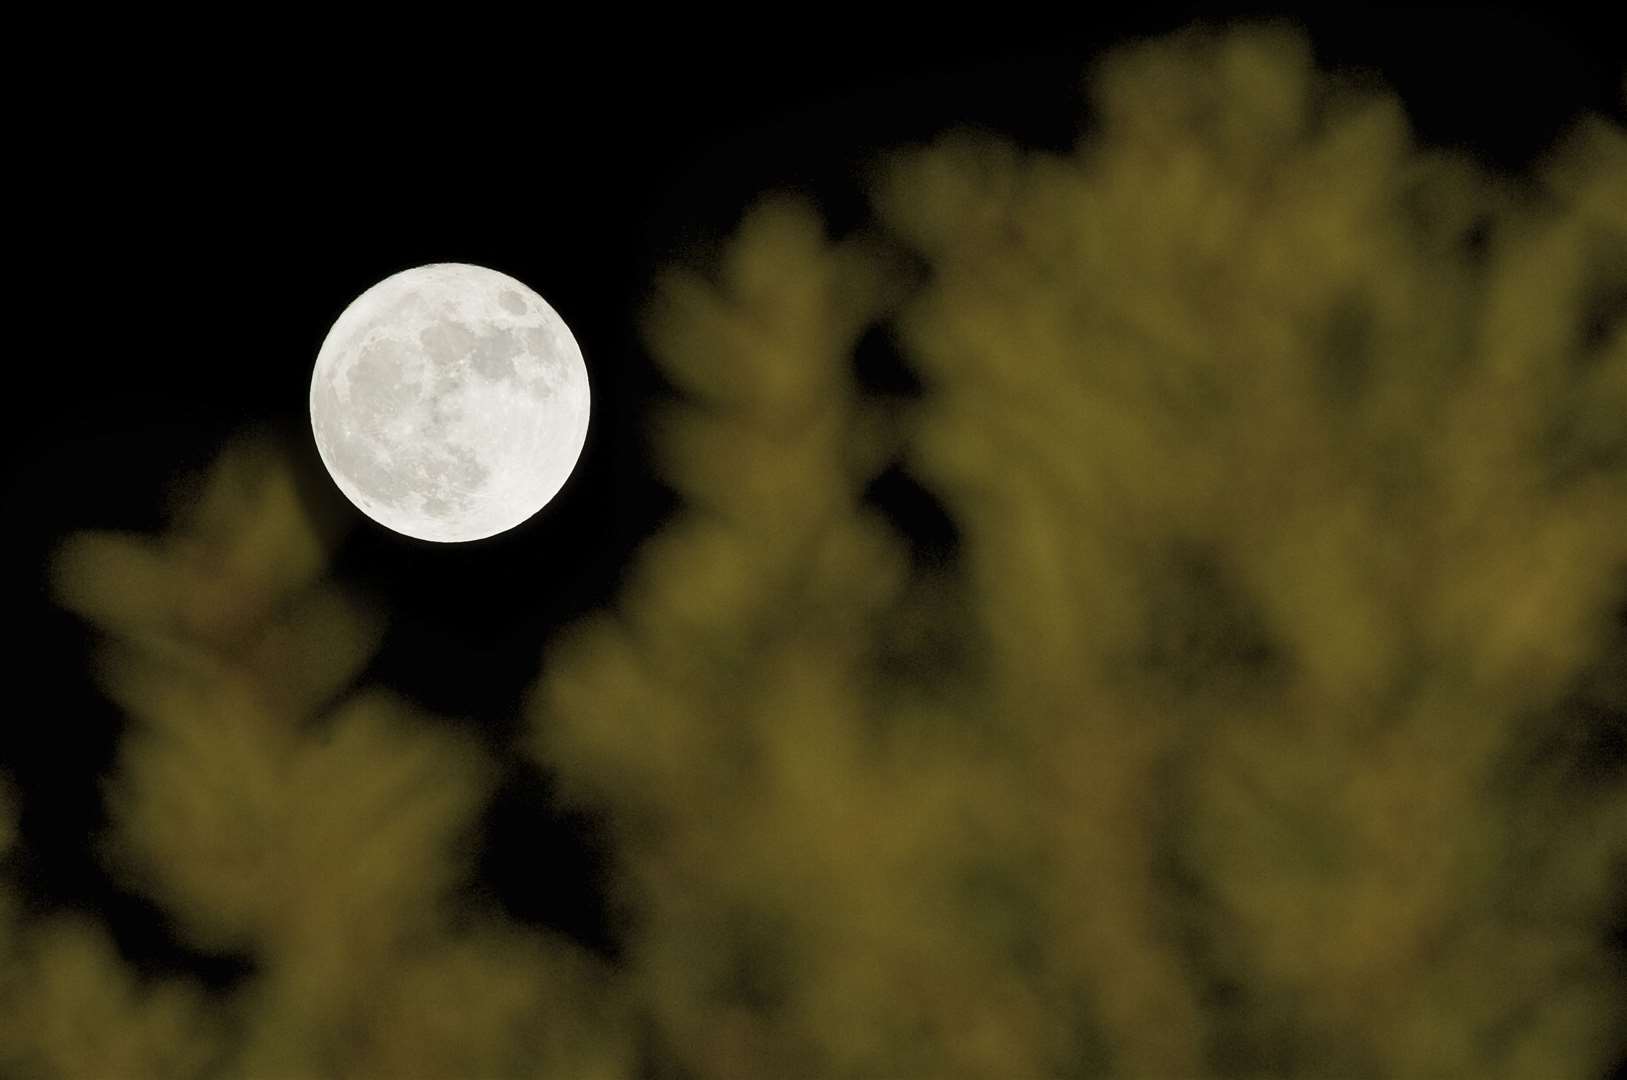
(1267, 720)
(277, 815)
(1289, 461)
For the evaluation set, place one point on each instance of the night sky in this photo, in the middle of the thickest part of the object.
(196, 216)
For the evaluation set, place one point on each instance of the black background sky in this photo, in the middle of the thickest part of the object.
(198, 204)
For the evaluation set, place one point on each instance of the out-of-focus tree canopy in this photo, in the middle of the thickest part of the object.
(1289, 460)
(277, 815)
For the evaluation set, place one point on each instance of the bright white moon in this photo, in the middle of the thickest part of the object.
(449, 402)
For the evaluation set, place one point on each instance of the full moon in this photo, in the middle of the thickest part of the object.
(449, 402)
